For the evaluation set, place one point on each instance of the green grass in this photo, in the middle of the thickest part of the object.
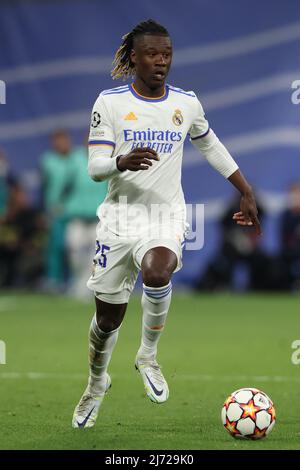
(212, 345)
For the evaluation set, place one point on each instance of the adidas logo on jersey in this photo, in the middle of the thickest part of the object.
(130, 117)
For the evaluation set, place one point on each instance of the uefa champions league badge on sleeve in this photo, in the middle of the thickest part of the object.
(96, 119)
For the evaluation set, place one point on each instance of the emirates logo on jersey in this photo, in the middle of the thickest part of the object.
(177, 117)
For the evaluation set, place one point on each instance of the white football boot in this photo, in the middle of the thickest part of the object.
(155, 384)
(86, 412)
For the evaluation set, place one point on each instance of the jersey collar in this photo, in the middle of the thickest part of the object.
(147, 98)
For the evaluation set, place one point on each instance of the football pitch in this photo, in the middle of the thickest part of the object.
(212, 345)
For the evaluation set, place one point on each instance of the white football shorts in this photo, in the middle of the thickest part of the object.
(118, 260)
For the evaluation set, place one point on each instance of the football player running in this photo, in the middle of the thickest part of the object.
(136, 142)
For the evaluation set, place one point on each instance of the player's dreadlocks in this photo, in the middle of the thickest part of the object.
(123, 67)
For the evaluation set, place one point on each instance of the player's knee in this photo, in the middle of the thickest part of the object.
(108, 324)
(156, 279)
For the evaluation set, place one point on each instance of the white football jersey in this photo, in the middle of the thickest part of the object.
(122, 119)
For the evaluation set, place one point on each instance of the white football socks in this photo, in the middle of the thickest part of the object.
(101, 345)
(155, 304)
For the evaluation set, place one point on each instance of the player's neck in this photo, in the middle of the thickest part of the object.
(142, 89)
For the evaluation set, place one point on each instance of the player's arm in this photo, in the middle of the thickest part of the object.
(205, 140)
(248, 212)
(102, 163)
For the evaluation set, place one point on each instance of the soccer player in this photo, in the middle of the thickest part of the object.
(136, 142)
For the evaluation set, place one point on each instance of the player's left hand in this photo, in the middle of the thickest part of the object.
(248, 213)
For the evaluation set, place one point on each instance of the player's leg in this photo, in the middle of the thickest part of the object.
(157, 267)
(103, 335)
(158, 264)
(113, 278)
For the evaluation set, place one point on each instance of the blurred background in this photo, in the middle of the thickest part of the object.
(240, 57)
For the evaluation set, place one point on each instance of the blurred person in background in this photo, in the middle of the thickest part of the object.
(22, 237)
(57, 167)
(6, 181)
(81, 206)
(290, 238)
(239, 249)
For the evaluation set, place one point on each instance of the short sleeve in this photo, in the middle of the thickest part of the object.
(200, 125)
(101, 127)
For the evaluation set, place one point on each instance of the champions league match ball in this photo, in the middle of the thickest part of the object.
(248, 413)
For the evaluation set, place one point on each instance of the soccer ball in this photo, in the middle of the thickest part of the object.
(248, 413)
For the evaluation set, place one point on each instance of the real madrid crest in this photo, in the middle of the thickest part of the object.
(177, 117)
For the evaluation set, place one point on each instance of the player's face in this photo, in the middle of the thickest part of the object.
(152, 56)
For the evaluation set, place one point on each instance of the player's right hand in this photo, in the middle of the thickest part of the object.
(138, 159)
